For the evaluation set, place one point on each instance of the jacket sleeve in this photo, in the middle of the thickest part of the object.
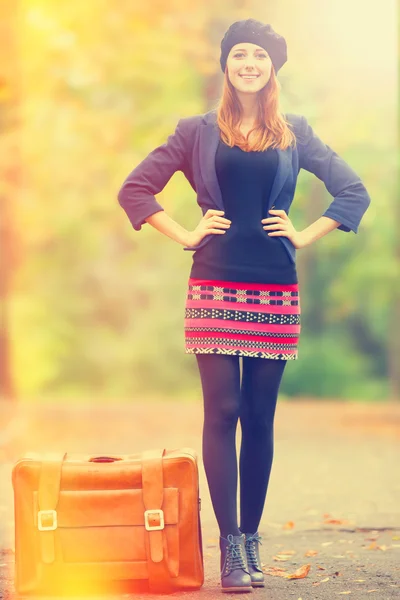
(350, 197)
(150, 176)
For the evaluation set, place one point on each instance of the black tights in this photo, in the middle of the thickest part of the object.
(253, 402)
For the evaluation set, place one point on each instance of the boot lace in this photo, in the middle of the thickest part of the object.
(251, 549)
(234, 557)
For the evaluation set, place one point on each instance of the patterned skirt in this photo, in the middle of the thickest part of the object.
(261, 320)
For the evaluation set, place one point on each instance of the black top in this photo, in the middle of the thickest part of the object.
(245, 252)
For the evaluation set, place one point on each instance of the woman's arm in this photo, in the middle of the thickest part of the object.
(318, 229)
(350, 197)
(281, 225)
(137, 194)
(163, 223)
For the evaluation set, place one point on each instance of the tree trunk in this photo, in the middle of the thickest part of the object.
(393, 345)
(9, 165)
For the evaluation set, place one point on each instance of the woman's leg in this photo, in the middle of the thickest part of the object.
(259, 392)
(220, 378)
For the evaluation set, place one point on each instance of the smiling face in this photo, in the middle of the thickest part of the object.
(248, 59)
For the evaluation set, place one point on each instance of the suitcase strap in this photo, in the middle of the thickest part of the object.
(49, 491)
(153, 491)
(155, 539)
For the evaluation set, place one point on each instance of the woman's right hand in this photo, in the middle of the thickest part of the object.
(210, 223)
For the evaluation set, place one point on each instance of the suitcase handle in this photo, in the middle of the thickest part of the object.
(104, 459)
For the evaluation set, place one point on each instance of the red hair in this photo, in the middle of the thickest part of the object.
(271, 127)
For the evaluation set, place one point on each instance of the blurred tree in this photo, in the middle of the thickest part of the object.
(9, 175)
(98, 308)
(394, 323)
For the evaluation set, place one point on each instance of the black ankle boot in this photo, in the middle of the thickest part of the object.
(253, 559)
(235, 576)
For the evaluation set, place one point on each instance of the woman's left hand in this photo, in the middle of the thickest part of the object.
(280, 221)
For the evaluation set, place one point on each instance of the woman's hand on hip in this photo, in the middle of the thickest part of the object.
(211, 222)
(284, 226)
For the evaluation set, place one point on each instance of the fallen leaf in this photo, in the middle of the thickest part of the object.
(321, 568)
(300, 573)
(275, 571)
(383, 547)
(369, 591)
(288, 525)
(344, 593)
(335, 521)
(311, 553)
(280, 558)
(326, 579)
(326, 543)
(358, 579)
(286, 552)
(396, 537)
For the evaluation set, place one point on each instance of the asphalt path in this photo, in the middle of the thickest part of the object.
(332, 511)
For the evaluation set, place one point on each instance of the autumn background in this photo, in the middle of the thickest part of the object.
(91, 308)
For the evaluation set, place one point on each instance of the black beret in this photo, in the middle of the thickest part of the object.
(251, 30)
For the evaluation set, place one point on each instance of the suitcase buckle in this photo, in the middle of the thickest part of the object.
(47, 514)
(157, 511)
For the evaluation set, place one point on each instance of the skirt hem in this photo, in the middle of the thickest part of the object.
(241, 353)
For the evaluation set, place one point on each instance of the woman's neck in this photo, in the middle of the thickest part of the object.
(249, 108)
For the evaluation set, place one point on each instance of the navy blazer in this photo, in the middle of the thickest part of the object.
(192, 148)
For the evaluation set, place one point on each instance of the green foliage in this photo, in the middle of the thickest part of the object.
(98, 308)
(330, 366)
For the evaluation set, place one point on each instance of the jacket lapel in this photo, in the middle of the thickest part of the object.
(208, 140)
(282, 173)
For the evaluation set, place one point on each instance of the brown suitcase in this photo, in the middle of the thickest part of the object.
(107, 523)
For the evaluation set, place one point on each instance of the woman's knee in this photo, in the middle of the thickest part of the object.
(220, 378)
(257, 427)
(223, 413)
(257, 415)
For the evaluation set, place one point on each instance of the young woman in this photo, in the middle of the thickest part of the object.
(242, 159)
